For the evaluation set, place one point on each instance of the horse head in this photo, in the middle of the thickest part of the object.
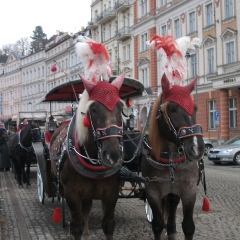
(99, 121)
(30, 134)
(175, 120)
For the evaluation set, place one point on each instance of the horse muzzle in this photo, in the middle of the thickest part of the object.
(192, 141)
(111, 152)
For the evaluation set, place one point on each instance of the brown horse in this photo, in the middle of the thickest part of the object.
(171, 159)
(87, 154)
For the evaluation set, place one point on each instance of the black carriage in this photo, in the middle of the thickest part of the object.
(132, 185)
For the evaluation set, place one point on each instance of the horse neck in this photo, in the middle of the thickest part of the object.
(25, 136)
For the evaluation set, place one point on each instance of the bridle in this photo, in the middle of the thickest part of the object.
(183, 132)
(110, 131)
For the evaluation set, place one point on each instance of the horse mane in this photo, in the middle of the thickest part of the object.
(156, 139)
(83, 106)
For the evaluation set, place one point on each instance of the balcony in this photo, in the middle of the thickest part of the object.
(123, 34)
(105, 16)
(122, 5)
(92, 24)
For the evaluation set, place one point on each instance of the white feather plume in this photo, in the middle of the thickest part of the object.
(95, 59)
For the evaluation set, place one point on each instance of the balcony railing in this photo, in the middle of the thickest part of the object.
(122, 5)
(123, 33)
(93, 23)
(106, 15)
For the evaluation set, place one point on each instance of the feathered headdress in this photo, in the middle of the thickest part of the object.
(95, 59)
(172, 54)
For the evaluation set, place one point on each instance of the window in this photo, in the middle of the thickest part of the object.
(129, 52)
(143, 7)
(212, 109)
(209, 14)
(144, 39)
(193, 65)
(192, 22)
(232, 113)
(210, 60)
(104, 34)
(177, 28)
(110, 30)
(162, 3)
(144, 76)
(228, 8)
(126, 52)
(164, 30)
(230, 52)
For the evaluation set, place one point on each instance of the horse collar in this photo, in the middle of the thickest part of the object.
(28, 149)
(90, 168)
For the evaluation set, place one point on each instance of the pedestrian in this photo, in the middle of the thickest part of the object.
(5, 162)
(22, 124)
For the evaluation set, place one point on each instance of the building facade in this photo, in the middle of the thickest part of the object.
(216, 62)
(124, 26)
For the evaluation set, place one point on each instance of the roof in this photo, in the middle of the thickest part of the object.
(64, 92)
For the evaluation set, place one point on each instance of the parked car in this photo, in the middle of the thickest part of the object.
(208, 144)
(229, 152)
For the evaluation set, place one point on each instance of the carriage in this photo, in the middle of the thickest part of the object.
(132, 185)
(164, 167)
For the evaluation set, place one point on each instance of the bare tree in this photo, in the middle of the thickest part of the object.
(8, 48)
(22, 46)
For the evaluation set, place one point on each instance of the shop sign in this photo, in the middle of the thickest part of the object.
(229, 80)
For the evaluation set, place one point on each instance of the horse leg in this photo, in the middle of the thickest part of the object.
(173, 201)
(188, 225)
(158, 218)
(86, 208)
(108, 223)
(28, 163)
(76, 223)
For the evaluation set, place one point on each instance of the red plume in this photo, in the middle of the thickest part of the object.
(206, 205)
(57, 215)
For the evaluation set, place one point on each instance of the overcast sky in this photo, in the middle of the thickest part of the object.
(18, 18)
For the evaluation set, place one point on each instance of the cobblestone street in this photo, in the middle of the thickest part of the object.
(22, 217)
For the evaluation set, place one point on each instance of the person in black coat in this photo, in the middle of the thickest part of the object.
(5, 162)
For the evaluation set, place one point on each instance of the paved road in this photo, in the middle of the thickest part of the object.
(22, 217)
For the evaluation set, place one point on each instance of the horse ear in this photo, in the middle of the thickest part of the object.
(89, 85)
(118, 81)
(165, 84)
(192, 85)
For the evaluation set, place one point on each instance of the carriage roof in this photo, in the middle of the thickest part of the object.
(64, 92)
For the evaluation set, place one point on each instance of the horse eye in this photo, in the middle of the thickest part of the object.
(172, 108)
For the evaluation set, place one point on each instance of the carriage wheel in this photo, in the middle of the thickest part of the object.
(41, 192)
(148, 211)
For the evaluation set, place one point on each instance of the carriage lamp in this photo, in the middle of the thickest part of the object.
(130, 122)
(52, 125)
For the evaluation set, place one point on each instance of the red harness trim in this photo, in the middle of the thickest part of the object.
(84, 163)
(164, 160)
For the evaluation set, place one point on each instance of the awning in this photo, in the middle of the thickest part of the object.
(70, 91)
